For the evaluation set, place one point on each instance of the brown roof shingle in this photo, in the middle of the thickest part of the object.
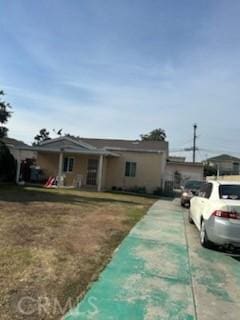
(127, 144)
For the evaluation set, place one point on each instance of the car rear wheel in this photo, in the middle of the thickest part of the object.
(203, 236)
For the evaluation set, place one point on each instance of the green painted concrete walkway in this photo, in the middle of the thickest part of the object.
(150, 276)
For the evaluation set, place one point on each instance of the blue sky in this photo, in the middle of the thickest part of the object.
(121, 68)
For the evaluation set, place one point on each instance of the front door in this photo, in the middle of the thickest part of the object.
(92, 172)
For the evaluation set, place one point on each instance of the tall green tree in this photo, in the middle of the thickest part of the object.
(42, 136)
(5, 114)
(155, 135)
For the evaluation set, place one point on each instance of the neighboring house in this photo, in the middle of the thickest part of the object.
(19, 149)
(225, 164)
(179, 171)
(104, 163)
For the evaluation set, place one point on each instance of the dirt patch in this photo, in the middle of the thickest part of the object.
(53, 243)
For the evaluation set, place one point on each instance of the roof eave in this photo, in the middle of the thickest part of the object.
(75, 151)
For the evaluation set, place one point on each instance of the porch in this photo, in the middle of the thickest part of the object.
(74, 170)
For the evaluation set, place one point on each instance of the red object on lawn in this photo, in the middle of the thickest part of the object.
(50, 182)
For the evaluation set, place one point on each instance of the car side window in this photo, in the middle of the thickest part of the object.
(208, 192)
(202, 191)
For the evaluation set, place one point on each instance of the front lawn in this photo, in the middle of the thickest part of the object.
(53, 243)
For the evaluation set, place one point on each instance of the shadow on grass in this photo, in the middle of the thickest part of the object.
(142, 195)
(25, 195)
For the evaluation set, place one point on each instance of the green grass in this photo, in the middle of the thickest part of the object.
(55, 242)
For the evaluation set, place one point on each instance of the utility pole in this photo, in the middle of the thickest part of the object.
(194, 142)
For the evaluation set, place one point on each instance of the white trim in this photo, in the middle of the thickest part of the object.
(79, 143)
(100, 173)
(60, 165)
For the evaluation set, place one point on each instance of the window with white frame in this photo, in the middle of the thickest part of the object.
(68, 164)
(130, 169)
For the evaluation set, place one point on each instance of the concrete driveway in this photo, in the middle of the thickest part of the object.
(160, 272)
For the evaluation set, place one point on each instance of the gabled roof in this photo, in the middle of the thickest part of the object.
(223, 157)
(70, 145)
(66, 141)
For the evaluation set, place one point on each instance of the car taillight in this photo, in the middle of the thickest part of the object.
(225, 214)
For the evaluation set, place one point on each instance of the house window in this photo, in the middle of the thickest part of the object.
(68, 164)
(236, 167)
(130, 169)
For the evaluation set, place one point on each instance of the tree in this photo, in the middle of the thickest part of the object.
(7, 164)
(209, 170)
(155, 135)
(5, 114)
(43, 135)
(58, 132)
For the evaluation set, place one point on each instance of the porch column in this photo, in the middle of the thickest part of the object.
(100, 173)
(18, 167)
(60, 165)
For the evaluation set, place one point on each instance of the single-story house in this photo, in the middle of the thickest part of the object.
(104, 163)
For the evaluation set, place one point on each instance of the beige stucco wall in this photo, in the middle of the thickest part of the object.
(149, 171)
(48, 162)
(188, 172)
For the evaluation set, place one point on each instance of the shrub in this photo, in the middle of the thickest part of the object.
(136, 189)
(163, 193)
(158, 191)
